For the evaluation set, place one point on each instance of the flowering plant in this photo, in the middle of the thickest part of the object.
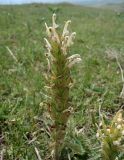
(59, 80)
(111, 137)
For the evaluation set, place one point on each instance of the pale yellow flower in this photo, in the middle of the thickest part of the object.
(65, 30)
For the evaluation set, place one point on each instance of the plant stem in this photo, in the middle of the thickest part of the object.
(59, 80)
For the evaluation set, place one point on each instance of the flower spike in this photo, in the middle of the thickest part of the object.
(111, 137)
(59, 81)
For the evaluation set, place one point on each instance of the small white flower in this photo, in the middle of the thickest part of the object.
(97, 135)
(48, 45)
(119, 119)
(55, 36)
(51, 31)
(71, 58)
(76, 60)
(70, 39)
(100, 124)
(53, 21)
(65, 30)
(64, 49)
(64, 42)
(41, 104)
(119, 126)
(116, 143)
(48, 30)
(108, 130)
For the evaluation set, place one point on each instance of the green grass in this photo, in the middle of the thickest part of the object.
(97, 81)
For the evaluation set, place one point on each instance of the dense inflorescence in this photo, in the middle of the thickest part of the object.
(59, 79)
(112, 137)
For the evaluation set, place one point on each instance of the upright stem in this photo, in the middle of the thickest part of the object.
(59, 80)
(59, 140)
(57, 148)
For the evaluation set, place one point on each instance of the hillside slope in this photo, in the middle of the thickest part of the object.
(97, 78)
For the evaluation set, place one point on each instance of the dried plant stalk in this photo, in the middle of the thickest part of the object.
(59, 80)
(113, 55)
(122, 77)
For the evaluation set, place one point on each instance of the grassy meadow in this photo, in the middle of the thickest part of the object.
(97, 78)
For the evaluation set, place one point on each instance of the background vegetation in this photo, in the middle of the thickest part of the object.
(97, 78)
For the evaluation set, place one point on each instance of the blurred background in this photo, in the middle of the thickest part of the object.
(82, 2)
